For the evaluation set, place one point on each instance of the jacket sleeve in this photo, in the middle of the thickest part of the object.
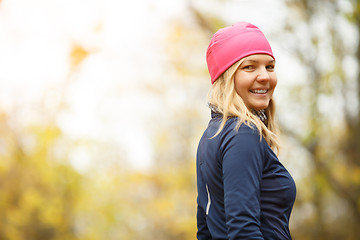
(242, 172)
(203, 232)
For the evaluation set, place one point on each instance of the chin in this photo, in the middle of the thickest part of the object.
(260, 107)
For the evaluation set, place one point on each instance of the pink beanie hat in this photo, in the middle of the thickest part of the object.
(230, 44)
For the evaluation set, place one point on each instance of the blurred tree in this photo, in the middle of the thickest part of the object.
(40, 191)
(322, 36)
(177, 133)
(38, 194)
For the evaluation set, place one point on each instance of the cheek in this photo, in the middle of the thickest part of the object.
(240, 88)
(273, 82)
(237, 85)
(241, 84)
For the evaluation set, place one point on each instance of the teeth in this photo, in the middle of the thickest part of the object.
(259, 91)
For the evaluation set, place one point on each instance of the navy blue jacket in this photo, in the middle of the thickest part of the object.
(244, 192)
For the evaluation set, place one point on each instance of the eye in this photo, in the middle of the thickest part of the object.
(248, 67)
(270, 67)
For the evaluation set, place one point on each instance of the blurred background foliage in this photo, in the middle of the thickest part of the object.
(46, 195)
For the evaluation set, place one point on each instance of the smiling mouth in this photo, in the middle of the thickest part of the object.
(257, 91)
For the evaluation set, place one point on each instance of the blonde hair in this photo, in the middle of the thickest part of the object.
(224, 98)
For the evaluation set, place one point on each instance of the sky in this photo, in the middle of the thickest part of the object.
(36, 38)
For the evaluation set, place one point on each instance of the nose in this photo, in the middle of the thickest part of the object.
(263, 75)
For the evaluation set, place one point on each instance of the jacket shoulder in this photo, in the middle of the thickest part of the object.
(231, 128)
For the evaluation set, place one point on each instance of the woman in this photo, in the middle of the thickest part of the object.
(244, 192)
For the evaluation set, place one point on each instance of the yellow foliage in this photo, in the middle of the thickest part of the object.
(78, 54)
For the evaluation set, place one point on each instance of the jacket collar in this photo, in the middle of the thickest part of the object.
(215, 114)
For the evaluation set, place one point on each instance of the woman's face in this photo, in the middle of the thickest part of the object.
(255, 80)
